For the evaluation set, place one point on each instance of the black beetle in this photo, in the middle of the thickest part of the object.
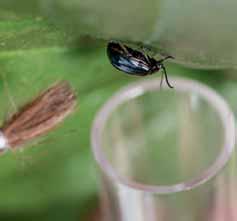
(135, 62)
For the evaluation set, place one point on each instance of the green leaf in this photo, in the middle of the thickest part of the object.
(55, 178)
(56, 171)
(199, 34)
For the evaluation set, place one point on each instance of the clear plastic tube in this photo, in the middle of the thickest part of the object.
(162, 153)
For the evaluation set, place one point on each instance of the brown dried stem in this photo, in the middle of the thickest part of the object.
(41, 115)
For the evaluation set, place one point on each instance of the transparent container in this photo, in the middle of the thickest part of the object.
(162, 154)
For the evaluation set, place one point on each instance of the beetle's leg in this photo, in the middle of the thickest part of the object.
(125, 49)
(146, 52)
(146, 49)
(166, 77)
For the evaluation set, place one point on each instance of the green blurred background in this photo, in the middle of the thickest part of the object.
(42, 41)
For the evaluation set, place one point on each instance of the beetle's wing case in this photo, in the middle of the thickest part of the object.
(128, 60)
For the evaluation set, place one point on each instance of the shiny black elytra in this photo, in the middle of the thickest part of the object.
(135, 62)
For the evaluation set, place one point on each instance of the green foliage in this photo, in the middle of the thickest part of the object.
(54, 178)
(56, 171)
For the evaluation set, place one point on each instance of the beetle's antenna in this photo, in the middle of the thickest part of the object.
(166, 77)
(163, 59)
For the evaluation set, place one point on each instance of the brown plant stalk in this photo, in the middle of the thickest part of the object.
(39, 116)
